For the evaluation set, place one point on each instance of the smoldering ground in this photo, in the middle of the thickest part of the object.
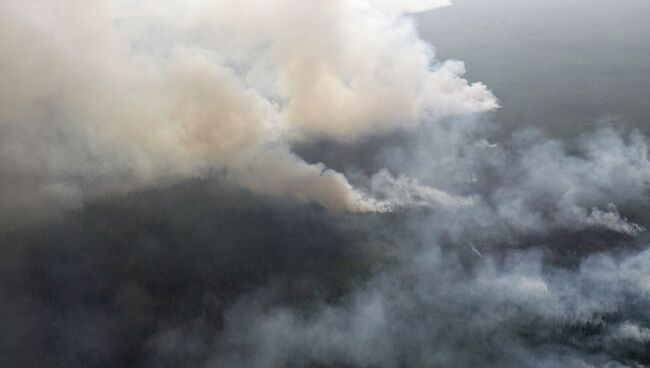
(97, 286)
(177, 192)
(205, 274)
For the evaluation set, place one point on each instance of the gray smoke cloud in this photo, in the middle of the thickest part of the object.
(536, 185)
(513, 313)
(524, 257)
(192, 233)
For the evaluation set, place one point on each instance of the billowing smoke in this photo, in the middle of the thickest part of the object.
(122, 94)
(167, 148)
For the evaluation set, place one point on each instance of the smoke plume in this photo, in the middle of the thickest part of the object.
(122, 94)
(175, 192)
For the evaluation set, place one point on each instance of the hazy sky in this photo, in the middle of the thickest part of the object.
(557, 64)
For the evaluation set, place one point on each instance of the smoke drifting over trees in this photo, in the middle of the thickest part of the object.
(163, 201)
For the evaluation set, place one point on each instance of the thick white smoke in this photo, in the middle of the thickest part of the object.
(104, 93)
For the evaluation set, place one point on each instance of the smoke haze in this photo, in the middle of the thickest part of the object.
(300, 184)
